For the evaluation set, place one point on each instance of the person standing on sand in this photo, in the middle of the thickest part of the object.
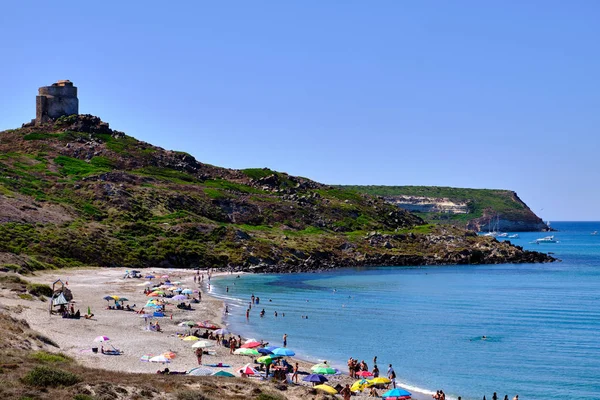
(199, 356)
(232, 342)
(285, 340)
(295, 375)
(346, 393)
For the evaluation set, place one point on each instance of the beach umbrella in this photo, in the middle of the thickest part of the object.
(147, 284)
(268, 359)
(320, 365)
(191, 338)
(202, 344)
(177, 289)
(177, 283)
(160, 359)
(207, 325)
(381, 380)
(179, 297)
(168, 284)
(170, 355)
(200, 371)
(246, 352)
(250, 340)
(315, 378)
(324, 370)
(107, 298)
(146, 357)
(223, 373)
(326, 389)
(282, 351)
(186, 291)
(360, 385)
(153, 294)
(149, 277)
(122, 298)
(222, 331)
(186, 323)
(250, 345)
(115, 298)
(248, 370)
(263, 350)
(396, 394)
(165, 276)
(364, 374)
(101, 339)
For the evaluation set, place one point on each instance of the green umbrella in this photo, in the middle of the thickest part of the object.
(246, 352)
(268, 358)
(223, 373)
(324, 370)
(265, 360)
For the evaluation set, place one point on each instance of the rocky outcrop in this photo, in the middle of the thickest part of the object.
(429, 204)
(476, 209)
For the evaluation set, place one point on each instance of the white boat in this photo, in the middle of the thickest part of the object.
(547, 239)
(595, 233)
(514, 236)
(502, 235)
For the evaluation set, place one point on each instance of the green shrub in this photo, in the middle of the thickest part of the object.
(43, 376)
(48, 357)
(41, 136)
(74, 166)
(39, 289)
(26, 296)
(257, 173)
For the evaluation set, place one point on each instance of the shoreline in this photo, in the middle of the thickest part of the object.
(417, 392)
(127, 330)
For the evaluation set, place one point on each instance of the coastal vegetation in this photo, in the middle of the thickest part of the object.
(75, 193)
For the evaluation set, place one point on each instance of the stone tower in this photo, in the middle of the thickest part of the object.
(55, 101)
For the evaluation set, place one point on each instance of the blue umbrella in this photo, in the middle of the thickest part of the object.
(282, 351)
(396, 393)
(315, 378)
(264, 351)
(149, 276)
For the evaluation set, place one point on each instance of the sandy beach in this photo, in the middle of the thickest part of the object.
(128, 331)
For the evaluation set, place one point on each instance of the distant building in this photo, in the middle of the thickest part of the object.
(55, 101)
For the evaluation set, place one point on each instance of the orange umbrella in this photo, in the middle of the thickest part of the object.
(170, 355)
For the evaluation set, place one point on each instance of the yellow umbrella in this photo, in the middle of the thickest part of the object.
(115, 297)
(191, 338)
(381, 380)
(360, 385)
(326, 389)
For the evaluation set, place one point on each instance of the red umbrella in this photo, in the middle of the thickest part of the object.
(207, 325)
(250, 345)
(364, 373)
(248, 370)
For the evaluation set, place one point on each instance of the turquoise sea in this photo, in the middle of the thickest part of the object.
(542, 321)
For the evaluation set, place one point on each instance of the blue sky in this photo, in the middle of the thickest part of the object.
(454, 93)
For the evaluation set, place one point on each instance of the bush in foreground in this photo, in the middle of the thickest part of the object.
(43, 376)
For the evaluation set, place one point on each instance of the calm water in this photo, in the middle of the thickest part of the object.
(542, 321)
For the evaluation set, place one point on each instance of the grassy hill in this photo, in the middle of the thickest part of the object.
(483, 205)
(74, 192)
